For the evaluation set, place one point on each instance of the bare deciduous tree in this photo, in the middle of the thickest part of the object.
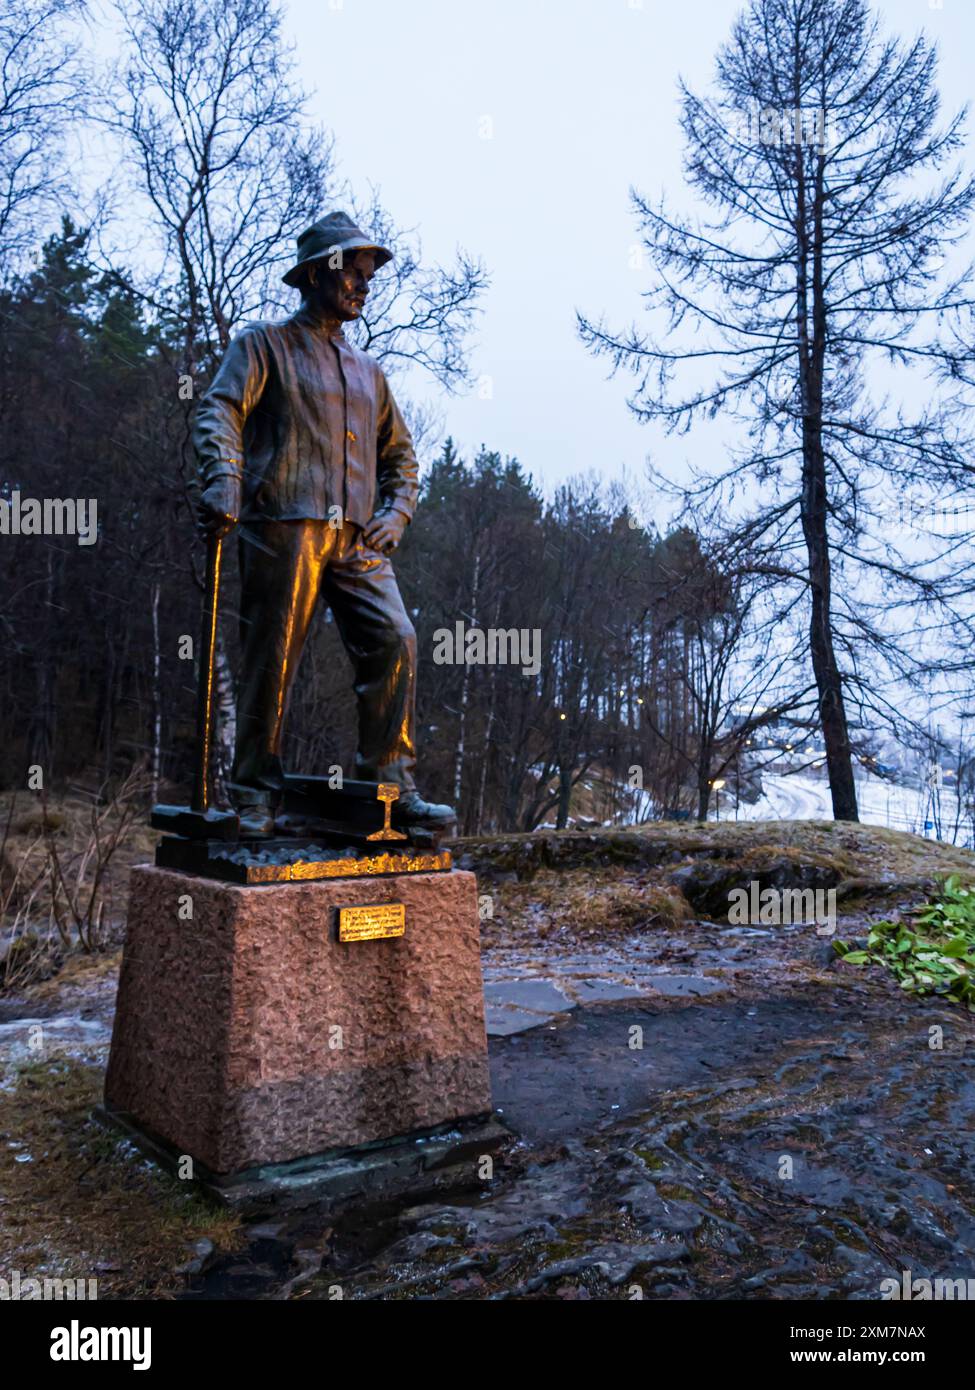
(211, 123)
(824, 252)
(39, 80)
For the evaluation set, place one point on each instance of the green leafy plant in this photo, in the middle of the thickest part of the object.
(931, 953)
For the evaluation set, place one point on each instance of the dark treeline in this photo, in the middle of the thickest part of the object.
(614, 623)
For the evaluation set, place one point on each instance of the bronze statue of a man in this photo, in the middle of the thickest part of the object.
(299, 439)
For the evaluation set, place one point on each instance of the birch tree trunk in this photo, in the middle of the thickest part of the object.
(156, 696)
(225, 732)
(465, 691)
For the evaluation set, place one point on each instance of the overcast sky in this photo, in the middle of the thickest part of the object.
(514, 128)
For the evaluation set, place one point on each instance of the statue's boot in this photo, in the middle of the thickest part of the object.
(412, 812)
(256, 817)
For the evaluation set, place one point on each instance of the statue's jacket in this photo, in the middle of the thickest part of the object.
(307, 423)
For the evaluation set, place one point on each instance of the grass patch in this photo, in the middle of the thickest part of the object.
(571, 906)
(76, 1202)
(64, 870)
(933, 952)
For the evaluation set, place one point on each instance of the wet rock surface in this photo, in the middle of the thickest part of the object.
(708, 884)
(803, 1132)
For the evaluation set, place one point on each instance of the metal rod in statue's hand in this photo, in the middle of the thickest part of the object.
(204, 695)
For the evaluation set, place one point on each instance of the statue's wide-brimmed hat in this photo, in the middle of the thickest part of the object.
(336, 232)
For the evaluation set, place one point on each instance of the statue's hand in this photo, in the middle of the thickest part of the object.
(385, 531)
(218, 510)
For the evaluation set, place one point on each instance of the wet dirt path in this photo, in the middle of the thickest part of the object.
(803, 1131)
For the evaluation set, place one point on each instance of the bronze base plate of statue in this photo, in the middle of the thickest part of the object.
(325, 832)
(291, 861)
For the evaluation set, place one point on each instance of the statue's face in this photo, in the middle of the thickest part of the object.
(341, 291)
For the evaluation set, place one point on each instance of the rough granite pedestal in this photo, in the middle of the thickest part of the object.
(250, 1038)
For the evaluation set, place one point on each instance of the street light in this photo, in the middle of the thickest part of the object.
(717, 784)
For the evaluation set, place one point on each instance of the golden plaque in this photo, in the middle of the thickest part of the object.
(372, 923)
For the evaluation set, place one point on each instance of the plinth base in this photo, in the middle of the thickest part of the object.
(409, 1167)
(247, 1034)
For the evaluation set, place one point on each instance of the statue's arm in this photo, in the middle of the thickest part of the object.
(397, 471)
(218, 431)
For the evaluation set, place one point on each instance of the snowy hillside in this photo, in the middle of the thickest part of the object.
(804, 796)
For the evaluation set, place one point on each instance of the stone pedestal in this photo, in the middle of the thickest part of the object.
(247, 1034)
